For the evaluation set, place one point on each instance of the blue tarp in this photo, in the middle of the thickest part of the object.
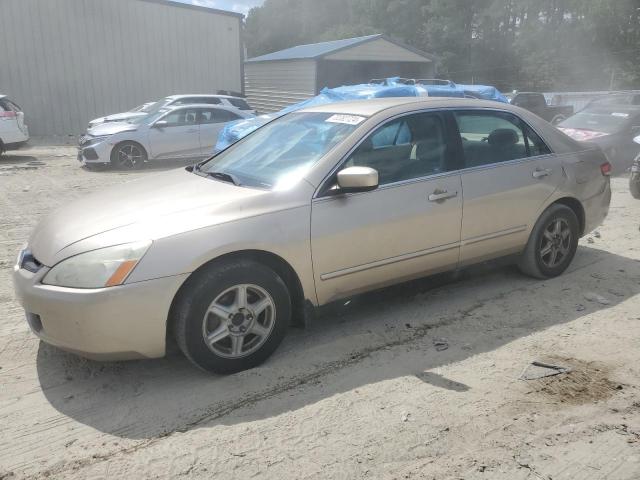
(391, 87)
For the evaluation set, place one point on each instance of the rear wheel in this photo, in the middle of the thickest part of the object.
(552, 244)
(128, 156)
(231, 316)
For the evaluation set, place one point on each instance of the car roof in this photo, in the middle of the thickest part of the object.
(372, 106)
(205, 95)
(200, 105)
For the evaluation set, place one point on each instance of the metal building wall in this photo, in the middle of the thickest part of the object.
(271, 86)
(68, 61)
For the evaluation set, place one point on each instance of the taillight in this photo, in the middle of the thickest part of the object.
(606, 168)
(8, 114)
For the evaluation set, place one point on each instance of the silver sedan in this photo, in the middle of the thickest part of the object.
(177, 132)
(315, 206)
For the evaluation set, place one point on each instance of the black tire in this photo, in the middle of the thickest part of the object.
(190, 307)
(532, 262)
(634, 185)
(120, 160)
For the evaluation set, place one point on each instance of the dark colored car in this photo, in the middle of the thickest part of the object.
(612, 127)
(536, 103)
(627, 98)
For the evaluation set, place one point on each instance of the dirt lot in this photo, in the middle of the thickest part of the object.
(363, 392)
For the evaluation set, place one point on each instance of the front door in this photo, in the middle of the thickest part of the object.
(509, 174)
(179, 137)
(408, 227)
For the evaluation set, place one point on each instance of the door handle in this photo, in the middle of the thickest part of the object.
(541, 173)
(440, 195)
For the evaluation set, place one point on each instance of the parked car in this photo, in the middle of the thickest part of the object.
(222, 100)
(315, 206)
(612, 127)
(187, 131)
(626, 98)
(536, 103)
(13, 131)
(634, 179)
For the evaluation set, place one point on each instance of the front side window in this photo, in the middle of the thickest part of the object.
(182, 117)
(490, 137)
(280, 153)
(412, 146)
(239, 103)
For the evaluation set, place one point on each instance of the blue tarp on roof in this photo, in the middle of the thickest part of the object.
(234, 131)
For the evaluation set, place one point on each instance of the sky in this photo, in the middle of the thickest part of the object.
(241, 6)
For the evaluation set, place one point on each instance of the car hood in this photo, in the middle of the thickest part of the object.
(146, 209)
(111, 128)
(118, 117)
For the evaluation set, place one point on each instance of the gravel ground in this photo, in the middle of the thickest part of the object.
(415, 381)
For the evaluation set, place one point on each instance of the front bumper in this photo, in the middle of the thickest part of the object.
(115, 323)
(99, 152)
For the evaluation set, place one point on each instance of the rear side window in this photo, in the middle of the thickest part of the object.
(216, 115)
(192, 100)
(239, 103)
(494, 137)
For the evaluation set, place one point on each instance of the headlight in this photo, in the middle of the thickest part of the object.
(105, 267)
(88, 141)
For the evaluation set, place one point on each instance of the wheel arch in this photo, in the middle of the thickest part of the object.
(577, 207)
(278, 264)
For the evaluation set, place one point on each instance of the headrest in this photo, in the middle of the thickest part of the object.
(503, 137)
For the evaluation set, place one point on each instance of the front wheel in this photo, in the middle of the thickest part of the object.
(552, 244)
(128, 156)
(232, 316)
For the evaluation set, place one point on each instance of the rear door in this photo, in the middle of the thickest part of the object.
(179, 138)
(509, 173)
(212, 120)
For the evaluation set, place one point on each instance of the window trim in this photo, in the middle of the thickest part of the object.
(322, 192)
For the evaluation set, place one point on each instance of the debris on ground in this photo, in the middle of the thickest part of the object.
(596, 234)
(590, 240)
(594, 297)
(440, 344)
(405, 416)
(580, 307)
(537, 369)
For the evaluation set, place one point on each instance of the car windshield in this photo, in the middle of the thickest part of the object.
(599, 120)
(282, 152)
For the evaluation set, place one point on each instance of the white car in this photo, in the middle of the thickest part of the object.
(175, 132)
(13, 130)
(138, 112)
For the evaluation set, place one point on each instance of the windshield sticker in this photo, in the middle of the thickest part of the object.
(618, 114)
(348, 119)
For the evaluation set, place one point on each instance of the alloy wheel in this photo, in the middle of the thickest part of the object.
(556, 242)
(129, 156)
(239, 321)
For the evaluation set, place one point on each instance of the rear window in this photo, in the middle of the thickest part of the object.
(239, 103)
(8, 106)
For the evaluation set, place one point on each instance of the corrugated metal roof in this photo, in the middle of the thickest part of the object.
(313, 50)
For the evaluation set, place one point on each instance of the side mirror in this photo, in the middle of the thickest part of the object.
(160, 124)
(357, 179)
